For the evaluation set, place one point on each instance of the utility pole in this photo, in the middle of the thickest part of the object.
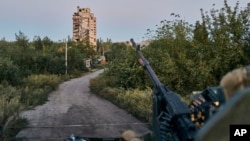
(66, 59)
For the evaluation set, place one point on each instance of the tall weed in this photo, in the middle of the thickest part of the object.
(37, 87)
(10, 107)
(137, 102)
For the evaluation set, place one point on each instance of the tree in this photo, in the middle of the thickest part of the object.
(200, 33)
(47, 42)
(123, 69)
(9, 72)
(227, 28)
(37, 42)
(99, 46)
(22, 40)
(188, 58)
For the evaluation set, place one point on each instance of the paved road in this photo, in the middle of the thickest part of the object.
(73, 109)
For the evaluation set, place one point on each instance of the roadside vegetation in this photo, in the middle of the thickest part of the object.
(185, 57)
(29, 71)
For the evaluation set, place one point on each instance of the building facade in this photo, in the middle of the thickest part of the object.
(84, 26)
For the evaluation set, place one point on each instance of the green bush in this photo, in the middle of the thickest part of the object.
(186, 57)
(110, 93)
(9, 71)
(98, 84)
(10, 107)
(37, 87)
(123, 70)
(42, 80)
(137, 102)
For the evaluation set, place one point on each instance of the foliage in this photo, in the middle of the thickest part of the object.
(43, 56)
(191, 58)
(228, 30)
(135, 101)
(185, 57)
(29, 70)
(102, 46)
(10, 121)
(22, 41)
(98, 84)
(123, 68)
(76, 56)
(8, 71)
(37, 88)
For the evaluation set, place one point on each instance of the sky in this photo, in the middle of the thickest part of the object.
(118, 20)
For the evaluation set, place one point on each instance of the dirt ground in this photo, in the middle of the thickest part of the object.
(73, 109)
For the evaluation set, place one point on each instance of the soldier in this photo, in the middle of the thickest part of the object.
(235, 80)
(235, 85)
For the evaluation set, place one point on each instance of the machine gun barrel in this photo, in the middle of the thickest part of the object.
(171, 116)
(144, 62)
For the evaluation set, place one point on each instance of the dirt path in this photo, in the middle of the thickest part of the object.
(72, 109)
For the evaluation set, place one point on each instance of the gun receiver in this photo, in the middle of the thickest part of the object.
(171, 116)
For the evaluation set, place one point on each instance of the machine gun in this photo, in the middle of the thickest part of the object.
(205, 104)
(171, 116)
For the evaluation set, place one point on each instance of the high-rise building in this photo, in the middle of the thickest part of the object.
(84, 26)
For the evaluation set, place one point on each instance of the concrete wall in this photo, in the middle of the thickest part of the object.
(84, 25)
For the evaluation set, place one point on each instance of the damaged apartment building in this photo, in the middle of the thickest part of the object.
(84, 26)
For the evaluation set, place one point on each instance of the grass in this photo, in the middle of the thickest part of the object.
(135, 101)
